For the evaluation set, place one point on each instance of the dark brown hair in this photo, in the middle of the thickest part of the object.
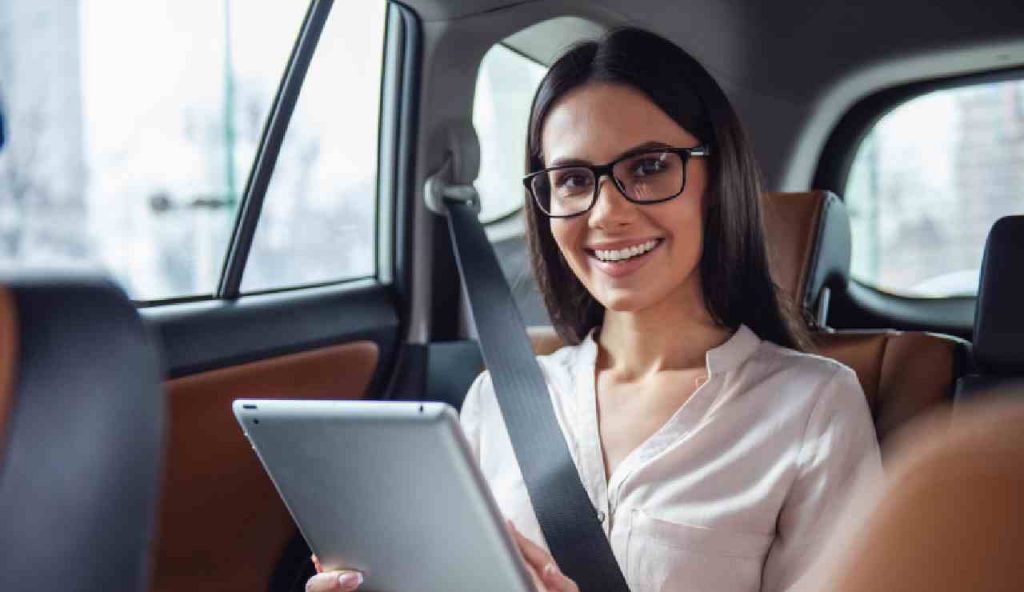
(734, 265)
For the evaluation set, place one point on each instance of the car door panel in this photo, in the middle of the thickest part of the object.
(221, 524)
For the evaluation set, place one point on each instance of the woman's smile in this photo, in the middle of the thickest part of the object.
(621, 258)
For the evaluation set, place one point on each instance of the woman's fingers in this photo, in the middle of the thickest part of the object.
(334, 581)
(542, 564)
(316, 564)
(556, 581)
(534, 554)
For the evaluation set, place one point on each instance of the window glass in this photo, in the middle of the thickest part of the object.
(132, 125)
(928, 182)
(501, 110)
(319, 217)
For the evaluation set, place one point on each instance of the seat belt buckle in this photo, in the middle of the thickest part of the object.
(439, 191)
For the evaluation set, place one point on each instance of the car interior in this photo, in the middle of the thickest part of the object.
(121, 464)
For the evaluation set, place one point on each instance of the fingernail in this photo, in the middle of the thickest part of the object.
(350, 579)
(550, 569)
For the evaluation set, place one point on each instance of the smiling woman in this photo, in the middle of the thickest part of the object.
(714, 451)
(644, 107)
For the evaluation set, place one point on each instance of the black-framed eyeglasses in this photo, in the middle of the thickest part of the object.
(647, 177)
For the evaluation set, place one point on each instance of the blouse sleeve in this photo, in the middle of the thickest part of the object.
(839, 447)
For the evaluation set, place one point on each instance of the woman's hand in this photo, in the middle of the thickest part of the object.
(546, 575)
(333, 581)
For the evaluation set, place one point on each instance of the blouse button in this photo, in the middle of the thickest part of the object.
(601, 516)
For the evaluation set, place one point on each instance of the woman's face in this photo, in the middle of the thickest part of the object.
(596, 124)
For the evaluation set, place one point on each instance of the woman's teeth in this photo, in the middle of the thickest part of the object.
(627, 253)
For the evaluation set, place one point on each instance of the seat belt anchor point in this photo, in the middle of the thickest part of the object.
(439, 191)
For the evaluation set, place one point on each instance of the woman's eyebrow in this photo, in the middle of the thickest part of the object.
(646, 146)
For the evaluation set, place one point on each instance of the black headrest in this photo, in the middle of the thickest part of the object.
(999, 316)
(81, 462)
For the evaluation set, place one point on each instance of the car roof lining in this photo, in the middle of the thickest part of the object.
(791, 68)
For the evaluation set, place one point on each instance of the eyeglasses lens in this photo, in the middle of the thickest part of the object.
(652, 176)
(647, 177)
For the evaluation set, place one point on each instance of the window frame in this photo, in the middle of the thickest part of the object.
(396, 54)
(865, 305)
(836, 159)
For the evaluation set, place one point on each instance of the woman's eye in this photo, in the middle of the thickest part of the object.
(647, 166)
(572, 182)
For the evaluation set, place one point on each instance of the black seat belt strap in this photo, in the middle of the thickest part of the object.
(569, 521)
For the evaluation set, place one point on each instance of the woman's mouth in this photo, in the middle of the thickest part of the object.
(622, 261)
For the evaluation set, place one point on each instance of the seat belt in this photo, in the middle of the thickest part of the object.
(568, 520)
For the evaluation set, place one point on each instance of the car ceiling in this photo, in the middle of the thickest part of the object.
(791, 67)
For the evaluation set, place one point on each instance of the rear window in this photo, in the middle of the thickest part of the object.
(501, 111)
(928, 182)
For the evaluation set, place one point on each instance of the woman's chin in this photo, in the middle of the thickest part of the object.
(624, 300)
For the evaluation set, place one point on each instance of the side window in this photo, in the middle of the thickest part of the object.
(928, 182)
(501, 109)
(318, 222)
(129, 145)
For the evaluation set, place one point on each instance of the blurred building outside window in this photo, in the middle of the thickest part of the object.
(928, 182)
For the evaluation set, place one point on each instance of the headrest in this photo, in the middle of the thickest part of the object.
(808, 240)
(81, 462)
(999, 312)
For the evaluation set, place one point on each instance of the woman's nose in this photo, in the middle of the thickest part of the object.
(612, 208)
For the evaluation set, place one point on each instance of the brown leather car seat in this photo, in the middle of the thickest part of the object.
(903, 373)
(81, 437)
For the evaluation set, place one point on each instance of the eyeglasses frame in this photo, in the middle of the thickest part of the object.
(602, 170)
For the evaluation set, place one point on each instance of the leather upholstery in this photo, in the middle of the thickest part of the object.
(8, 361)
(808, 245)
(999, 318)
(79, 476)
(903, 374)
(544, 339)
(222, 525)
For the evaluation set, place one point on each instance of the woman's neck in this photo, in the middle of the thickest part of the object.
(674, 335)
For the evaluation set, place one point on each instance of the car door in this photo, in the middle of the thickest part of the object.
(308, 303)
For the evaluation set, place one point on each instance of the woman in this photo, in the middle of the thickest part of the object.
(716, 453)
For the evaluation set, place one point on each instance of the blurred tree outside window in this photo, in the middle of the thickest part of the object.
(131, 130)
(318, 222)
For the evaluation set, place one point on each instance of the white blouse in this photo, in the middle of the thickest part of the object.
(736, 492)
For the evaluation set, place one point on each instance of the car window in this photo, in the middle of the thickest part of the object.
(131, 128)
(928, 182)
(318, 222)
(505, 85)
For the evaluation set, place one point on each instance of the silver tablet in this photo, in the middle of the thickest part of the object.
(386, 488)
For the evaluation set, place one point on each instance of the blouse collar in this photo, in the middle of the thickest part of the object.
(732, 354)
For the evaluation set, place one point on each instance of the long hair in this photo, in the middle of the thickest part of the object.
(737, 286)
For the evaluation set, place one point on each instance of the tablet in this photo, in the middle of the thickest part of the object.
(386, 488)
